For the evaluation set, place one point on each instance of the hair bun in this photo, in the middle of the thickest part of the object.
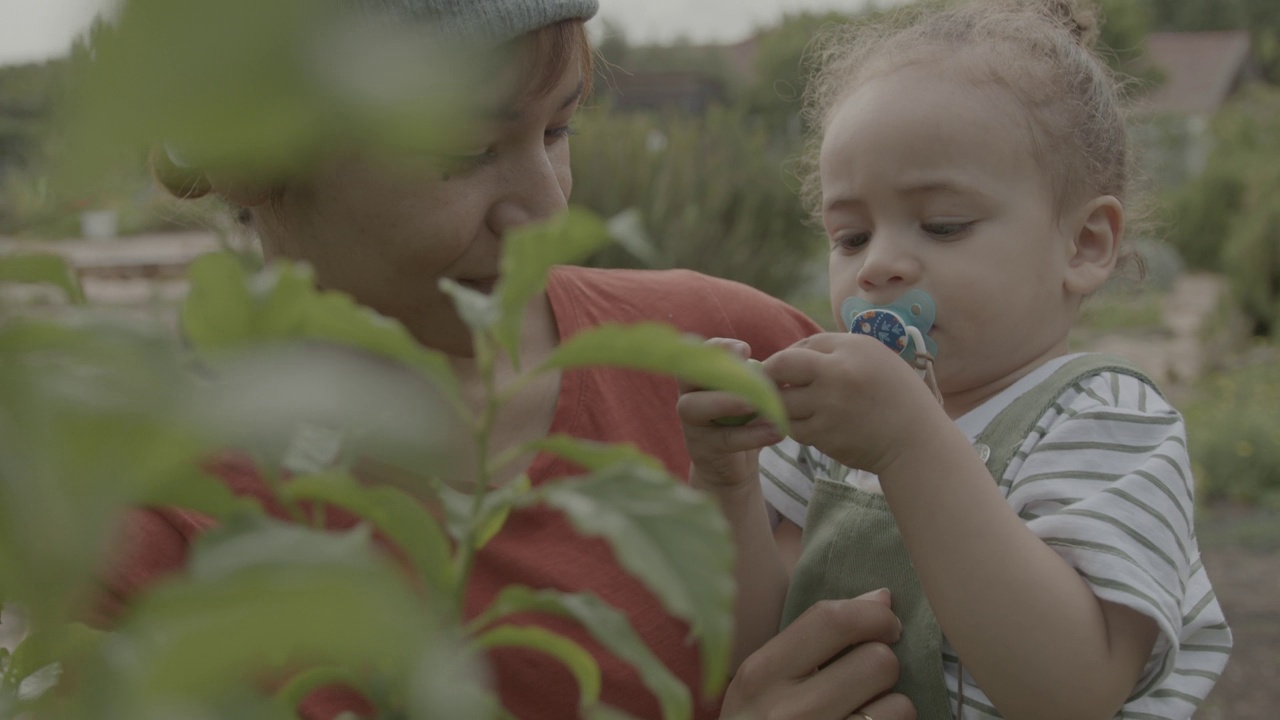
(1079, 17)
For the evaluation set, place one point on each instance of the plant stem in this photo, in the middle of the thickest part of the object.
(483, 428)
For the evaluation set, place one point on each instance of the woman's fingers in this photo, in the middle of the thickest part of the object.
(704, 407)
(887, 707)
(794, 675)
(830, 627)
(864, 673)
(737, 347)
(822, 632)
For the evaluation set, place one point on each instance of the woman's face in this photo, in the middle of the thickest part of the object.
(387, 233)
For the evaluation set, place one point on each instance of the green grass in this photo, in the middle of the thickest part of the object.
(1117, 312)
(1233, 428)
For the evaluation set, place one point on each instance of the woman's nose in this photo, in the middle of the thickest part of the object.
(535, 189)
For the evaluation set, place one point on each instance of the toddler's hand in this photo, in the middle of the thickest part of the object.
(723, 455)
(854, 399)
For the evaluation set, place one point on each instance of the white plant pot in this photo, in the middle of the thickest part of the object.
(99, 224)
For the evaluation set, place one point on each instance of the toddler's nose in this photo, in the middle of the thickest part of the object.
(887, 264)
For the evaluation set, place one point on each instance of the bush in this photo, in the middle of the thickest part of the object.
(1227, 218)
(112, 419)
(1202, 212)
(712, 194)
(1251, 258)
(1233, 430)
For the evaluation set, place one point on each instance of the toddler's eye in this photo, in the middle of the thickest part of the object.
(946, 229)
(850, 242)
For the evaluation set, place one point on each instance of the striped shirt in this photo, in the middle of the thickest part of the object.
(1104, 480)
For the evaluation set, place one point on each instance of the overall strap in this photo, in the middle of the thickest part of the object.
(1006, 433)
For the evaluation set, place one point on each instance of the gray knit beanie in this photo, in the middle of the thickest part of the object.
(485, 21)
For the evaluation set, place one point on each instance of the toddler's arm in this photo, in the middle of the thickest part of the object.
(1025, 624)
(725, 463)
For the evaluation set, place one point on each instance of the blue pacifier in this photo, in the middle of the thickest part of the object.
(893, 324)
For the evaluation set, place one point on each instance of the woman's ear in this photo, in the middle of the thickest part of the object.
(1095, 250)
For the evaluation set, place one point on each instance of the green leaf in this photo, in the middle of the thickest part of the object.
(199, 638)
(312, 409)
(465, 521)
(251, 541)
(496, 507)
(593, 455)
(659, 348)
(450, 682)
(628, 231)
(671, 537)
(194, 489)
(304, 683)
(218, 313)
(45, 269)
(66, 644)
(610, 628)
(604, 712)
(161, 71)
(574, 657)
(479, 311)
(399, 516)
(86, 428)
(231, 308)
(528, 255)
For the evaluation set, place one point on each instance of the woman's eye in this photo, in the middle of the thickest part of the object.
(946, 229)
(453, 165)
(560, 133)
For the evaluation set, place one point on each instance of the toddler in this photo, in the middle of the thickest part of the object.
(1030, 510)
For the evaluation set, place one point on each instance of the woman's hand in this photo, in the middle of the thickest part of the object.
(724, 456)
(793, 676)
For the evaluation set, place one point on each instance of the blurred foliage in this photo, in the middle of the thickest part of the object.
(95, 418)
(776, 92)
(1228, 219)
(713, 194)
(1233, 429)
(28, 94)
(1122, 312)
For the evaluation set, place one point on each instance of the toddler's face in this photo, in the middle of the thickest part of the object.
(930, 182)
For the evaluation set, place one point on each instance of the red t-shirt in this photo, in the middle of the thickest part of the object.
(537, 547)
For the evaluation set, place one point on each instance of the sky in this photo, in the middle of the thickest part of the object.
(32, 30)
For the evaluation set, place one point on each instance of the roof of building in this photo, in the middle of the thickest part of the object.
(1201, 69)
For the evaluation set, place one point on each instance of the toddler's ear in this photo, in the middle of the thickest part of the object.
(1095, 249)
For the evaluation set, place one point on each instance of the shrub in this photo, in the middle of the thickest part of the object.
(1200, 215)
(1233, 429)
(1251, 257)
(111, 419)
(712, 194)
(1227, 218)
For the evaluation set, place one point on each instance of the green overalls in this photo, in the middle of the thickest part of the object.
(852, 544)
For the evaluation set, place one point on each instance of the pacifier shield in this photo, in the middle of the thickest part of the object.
(889, 323)
(883, 325)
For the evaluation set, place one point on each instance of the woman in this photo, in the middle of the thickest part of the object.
(416, 226)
